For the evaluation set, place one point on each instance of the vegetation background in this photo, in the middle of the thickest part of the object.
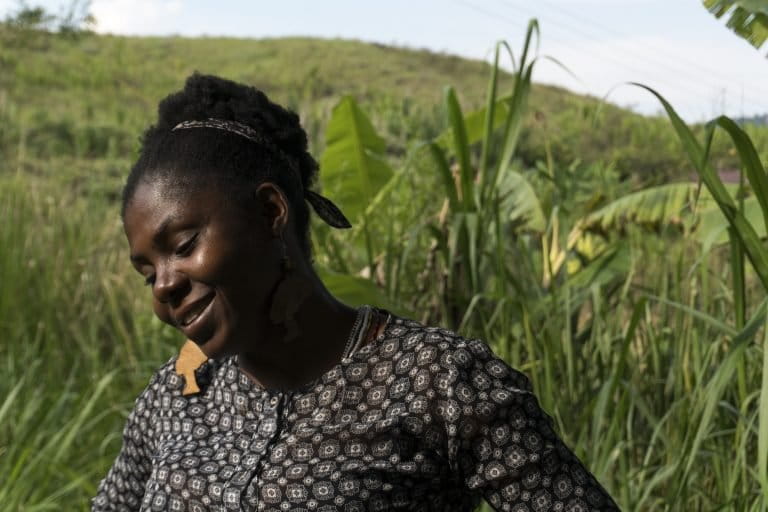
(575, 237)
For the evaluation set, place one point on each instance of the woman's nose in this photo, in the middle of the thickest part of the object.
(170, 286)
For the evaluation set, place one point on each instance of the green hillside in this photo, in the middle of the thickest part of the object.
(90, 97)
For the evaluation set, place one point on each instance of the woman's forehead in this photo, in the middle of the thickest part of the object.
(156, 204)
(163, 193)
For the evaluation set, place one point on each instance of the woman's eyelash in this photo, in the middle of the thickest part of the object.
(186, 246)
(182, 250)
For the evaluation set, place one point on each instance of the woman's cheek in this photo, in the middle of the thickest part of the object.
(206, 265)
(162, 312)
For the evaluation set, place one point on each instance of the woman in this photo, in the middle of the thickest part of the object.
(285, 398)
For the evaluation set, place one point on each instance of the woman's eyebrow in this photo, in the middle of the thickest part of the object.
(162, 229)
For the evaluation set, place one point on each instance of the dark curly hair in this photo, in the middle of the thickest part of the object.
(188, 158)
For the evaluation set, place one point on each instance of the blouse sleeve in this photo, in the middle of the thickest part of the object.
(503, 445)
(122, 489)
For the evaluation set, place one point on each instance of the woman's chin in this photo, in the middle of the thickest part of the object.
(213, 344)
(223, 340)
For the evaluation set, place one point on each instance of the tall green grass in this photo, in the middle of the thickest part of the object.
(77, 345)
(646, 345)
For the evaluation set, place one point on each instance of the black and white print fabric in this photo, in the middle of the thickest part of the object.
(420, 419)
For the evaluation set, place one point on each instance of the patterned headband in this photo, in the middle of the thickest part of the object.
(323, 206)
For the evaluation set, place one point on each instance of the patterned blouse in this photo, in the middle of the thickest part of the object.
(419, 419)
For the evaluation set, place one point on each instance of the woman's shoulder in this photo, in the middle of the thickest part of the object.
(411, 330)
(162, 381)
(446, 340)
(447, 350)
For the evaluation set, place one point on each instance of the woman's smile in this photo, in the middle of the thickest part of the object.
(196, 317)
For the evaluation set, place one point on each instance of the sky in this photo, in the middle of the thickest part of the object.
(674, 46)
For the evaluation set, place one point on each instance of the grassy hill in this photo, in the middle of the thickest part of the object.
(88, 98)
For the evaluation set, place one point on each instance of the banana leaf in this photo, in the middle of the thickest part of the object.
(353, 165)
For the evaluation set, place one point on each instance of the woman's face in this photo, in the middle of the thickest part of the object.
(211, 267)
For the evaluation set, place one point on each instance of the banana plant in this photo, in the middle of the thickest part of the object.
(355, 172)
(683, 206)
(469, 233)
(747, 18)
(501, 236)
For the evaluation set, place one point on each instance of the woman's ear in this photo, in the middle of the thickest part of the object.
(273, 206)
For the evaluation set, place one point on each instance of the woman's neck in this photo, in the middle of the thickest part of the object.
(324, 325)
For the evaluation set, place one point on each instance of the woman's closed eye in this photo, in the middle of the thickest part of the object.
(182, 250)
(186, 247)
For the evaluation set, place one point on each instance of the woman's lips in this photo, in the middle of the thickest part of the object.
(196, 318)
